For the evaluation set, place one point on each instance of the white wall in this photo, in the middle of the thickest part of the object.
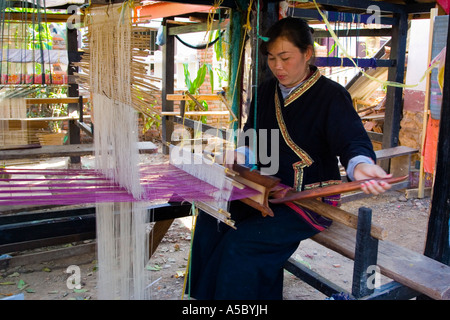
(417, 53)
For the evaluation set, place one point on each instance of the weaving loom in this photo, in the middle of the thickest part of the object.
(120, 187)
(116, 77)
(27, 64)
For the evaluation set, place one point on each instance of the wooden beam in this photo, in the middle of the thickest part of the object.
(197, 27)
(30, 101)
(44, 118)
(341, 216)
(167, 87)
(168, 9)
(179, 97)
(157, 233)
(196, 113)
(64, 151)
(40, 257)
(49, 17)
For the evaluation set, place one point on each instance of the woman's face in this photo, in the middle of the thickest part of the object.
(288, 64)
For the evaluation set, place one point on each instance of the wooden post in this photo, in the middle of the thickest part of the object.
(269, 15)
(74, 130)
(366, 252)
(168, 72)
(437, 243)
(394, 95)
(157, 233)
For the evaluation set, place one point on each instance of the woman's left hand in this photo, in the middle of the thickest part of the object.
(364, 171)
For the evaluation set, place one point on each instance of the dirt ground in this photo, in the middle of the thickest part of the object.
(404, 219)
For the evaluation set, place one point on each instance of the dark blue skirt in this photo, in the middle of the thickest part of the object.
(246, 263)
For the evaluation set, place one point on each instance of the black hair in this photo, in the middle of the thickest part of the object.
(296, 30)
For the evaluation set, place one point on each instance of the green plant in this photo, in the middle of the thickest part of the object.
(193, 86)
(152, 122)
(51, 110)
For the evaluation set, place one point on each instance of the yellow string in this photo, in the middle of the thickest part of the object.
(384, 83)
(194, 212)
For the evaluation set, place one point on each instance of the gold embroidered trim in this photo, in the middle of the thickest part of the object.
(322, 184)
(305, 158)
(336, 199)
(302, 88)
(298, 175)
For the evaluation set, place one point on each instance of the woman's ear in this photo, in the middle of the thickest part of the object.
(309, 53)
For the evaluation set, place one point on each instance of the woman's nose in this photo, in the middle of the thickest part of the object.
(278, 65)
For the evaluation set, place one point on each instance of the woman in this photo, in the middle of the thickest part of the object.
(317, 124)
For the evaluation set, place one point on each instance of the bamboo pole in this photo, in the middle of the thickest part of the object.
(426, 106)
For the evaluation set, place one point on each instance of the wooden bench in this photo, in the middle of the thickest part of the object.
(396, 160)
(413, 274)
(400, 159)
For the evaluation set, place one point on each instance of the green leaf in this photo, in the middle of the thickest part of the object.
(21, 285)
(187, 77)
(154, 268)
(218, 46)
(201, 74)
(211, 77)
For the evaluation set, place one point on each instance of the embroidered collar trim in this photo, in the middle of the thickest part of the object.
(308, 83)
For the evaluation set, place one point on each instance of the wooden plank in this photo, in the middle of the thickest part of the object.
(179, 97)
(341, 216)
(160, 10)
(400, 165)
(49, 152)
(65, 151)
(338, 238)
(157, 233)
(394, 152)
(39, 257)
(405, 266)
(196, 113)
(49, 17)
(30, 101)
(44, 118)
(414, 270)
(197, 27)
